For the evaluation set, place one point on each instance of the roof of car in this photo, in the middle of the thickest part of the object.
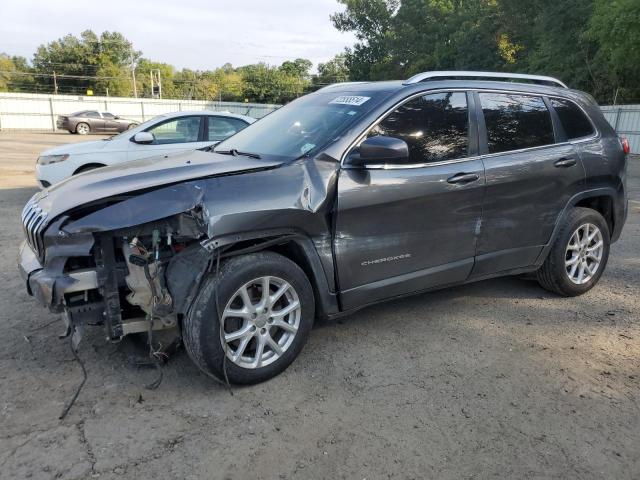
(246, 118)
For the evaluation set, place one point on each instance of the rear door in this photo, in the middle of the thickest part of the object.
(170, 136)
(406, 228)
(531, 174)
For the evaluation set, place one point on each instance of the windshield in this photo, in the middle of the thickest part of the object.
(303, 127)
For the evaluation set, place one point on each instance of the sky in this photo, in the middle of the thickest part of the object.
(196, 34)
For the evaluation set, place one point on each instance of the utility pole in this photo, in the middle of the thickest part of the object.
(55, 83)
(156, 83)
(133, 76)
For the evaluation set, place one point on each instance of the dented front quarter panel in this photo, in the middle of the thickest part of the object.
(297, 196)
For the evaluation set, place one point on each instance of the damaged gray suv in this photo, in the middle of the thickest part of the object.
(352, 195)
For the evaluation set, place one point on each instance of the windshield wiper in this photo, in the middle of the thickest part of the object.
(237, 153)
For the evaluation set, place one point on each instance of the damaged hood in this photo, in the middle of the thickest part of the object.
(140, 175)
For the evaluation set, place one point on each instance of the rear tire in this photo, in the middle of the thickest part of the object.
(578, 255)
(83, 128)
(257, 339)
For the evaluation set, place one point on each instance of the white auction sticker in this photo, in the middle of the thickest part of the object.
(350, 100)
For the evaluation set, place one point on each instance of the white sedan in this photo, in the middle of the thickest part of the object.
(161, 135)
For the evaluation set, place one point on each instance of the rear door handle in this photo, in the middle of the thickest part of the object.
(463, 178)
(565, 162)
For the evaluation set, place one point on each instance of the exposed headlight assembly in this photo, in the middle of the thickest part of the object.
(49, 159)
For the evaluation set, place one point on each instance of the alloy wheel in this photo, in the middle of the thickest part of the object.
(260, 322)
(584, 253)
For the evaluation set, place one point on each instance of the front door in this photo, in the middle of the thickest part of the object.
(110, 122)
(407, 228)
(170, 136)
(531, 174)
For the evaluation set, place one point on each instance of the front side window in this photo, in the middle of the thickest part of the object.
(435, 127)
(574, 121)
(515, 122)
(108, 115)
(179, 130)
(221, 128)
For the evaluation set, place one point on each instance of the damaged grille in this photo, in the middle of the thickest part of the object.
(33, 222)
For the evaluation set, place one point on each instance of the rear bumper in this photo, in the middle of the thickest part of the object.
(63, 125)
(49, 288)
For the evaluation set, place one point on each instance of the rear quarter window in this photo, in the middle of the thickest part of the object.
(573, 119)
(515, 122)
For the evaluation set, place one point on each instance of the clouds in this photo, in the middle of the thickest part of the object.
(197, 34)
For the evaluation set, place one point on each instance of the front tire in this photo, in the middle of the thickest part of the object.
(263, 317)
(578, 255)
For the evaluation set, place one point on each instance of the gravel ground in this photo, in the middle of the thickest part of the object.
(498, 379)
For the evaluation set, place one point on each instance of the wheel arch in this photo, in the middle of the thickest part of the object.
(602, 204)
(88, 166)
(596, 199)
(188, 268)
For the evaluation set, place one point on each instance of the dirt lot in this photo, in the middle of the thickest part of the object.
(498, 379)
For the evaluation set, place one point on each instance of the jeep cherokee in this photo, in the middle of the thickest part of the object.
(354, 194)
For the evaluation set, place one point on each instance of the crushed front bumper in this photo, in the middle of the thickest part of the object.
(49, 288)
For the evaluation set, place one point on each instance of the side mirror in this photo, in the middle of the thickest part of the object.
(143, 138)
(380, 149)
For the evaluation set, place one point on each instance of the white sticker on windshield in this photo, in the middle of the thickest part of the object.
(306, 147)
(350, 100)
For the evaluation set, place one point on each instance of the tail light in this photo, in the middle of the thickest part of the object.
(625, 145)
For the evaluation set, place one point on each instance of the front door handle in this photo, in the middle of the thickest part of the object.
(565, 162)
(463, 178)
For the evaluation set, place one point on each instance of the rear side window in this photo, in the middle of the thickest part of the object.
(221, 128)
(91, 114)
(515, 122)
(574, 121)
(435, 127)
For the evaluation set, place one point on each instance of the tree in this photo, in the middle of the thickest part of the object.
(614, 27)
(77, 61)
(299, 67)
(15, 74)
(269, 84)
(333, 71)
(144, 67)
(372, 23)
(591, 44)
